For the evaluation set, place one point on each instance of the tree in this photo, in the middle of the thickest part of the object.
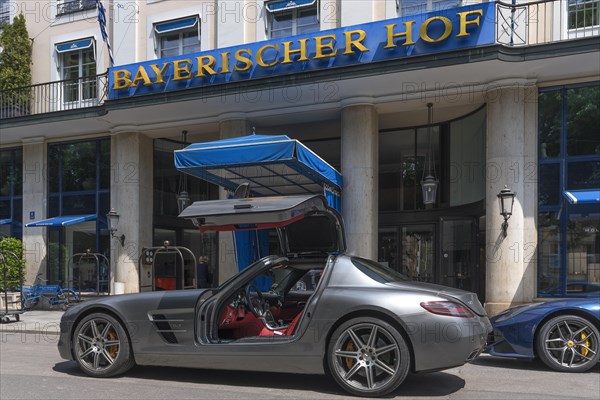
(15, 66)
(13, 267)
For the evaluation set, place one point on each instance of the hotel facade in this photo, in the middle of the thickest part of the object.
(479, 96)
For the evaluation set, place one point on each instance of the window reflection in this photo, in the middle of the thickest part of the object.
(583, 245)
(548, 247)
(583, 120)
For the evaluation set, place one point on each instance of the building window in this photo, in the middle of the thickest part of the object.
(78, 71)
(11, 193)
(5, 11)
(287, 18)
(402, 164)
(569, 166)
(414, 7)
(73, 6)
(78, 185)
(166, 223)
(177, 37)
(583, 13)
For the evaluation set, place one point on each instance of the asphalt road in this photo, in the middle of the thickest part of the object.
(30, 368)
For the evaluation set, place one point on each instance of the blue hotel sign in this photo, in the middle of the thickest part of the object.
(435, 32)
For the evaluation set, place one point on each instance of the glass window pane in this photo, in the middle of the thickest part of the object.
(584, 175)
(307, 21)
(79, 166)
(6, 168)
(550, 125)
(397, 170)
(5, 209)
(583, 120)
(190, 39)
(583, 247)
(18, 173)
(549, 184)
(549, 256)
(79, 204)
(53, 169)
(53, 264)
(53, 206)
(17, 215)
(105, 164)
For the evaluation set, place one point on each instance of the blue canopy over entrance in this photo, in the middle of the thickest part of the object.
(64, 220)
(272, 165)
(590, 196)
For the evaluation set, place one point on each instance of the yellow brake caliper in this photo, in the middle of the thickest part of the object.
(349, 361)
(584, 350)
(112, 335)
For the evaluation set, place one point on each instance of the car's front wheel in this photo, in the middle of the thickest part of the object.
(568, 343)
(101, 346)
(368, 357)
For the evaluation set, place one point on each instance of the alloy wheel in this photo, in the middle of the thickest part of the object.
(97, 344)
(571, 343)
(367, 357)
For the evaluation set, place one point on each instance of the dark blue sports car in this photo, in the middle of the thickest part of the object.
(564, 334)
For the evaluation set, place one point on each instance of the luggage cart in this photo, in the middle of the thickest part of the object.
(14, 312)
(90, 272)
(166, 267)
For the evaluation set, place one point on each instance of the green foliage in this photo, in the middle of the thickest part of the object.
(15, 63)
(14, 267)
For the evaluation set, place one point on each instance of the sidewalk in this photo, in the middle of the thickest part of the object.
(39, 322)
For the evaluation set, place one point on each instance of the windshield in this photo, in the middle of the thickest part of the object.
(378, 272)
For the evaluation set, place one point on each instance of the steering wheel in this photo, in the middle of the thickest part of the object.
(257, 304)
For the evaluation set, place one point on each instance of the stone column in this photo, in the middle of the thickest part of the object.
(379, 8)
(250, 15)
(131, 196)
(511, 161)
(35, 200)
(229, 128)
(360, 168)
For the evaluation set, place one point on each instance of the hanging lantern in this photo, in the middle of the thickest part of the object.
(183, 197)
(429, 187)
(429, 183)
(183, 200)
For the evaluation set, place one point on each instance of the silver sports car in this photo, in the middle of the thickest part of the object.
(309, 310)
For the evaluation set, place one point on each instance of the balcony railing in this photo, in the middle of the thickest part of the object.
(523, 24)
(54, 96)
(546, 21)
(72, 6)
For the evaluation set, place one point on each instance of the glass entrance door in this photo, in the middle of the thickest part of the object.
(418, 250)
(409, 249)
(460, 261)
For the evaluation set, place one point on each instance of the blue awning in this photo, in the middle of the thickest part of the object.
(589, 196)
(5, 221)
(170, 26)
(272, 165)
(64, 220)
(76, 45)
(281, 5)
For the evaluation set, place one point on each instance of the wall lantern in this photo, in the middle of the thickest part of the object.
(183, 197)
(507, 200)
(113, 221)
(429, 183)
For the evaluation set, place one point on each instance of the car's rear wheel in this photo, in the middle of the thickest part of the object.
(101, 346)
(568, 343)
(368, 357)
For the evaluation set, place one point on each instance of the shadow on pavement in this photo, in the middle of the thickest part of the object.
(433, 384)
(520, 364)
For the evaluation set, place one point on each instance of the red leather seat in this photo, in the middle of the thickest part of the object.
(285, 331)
